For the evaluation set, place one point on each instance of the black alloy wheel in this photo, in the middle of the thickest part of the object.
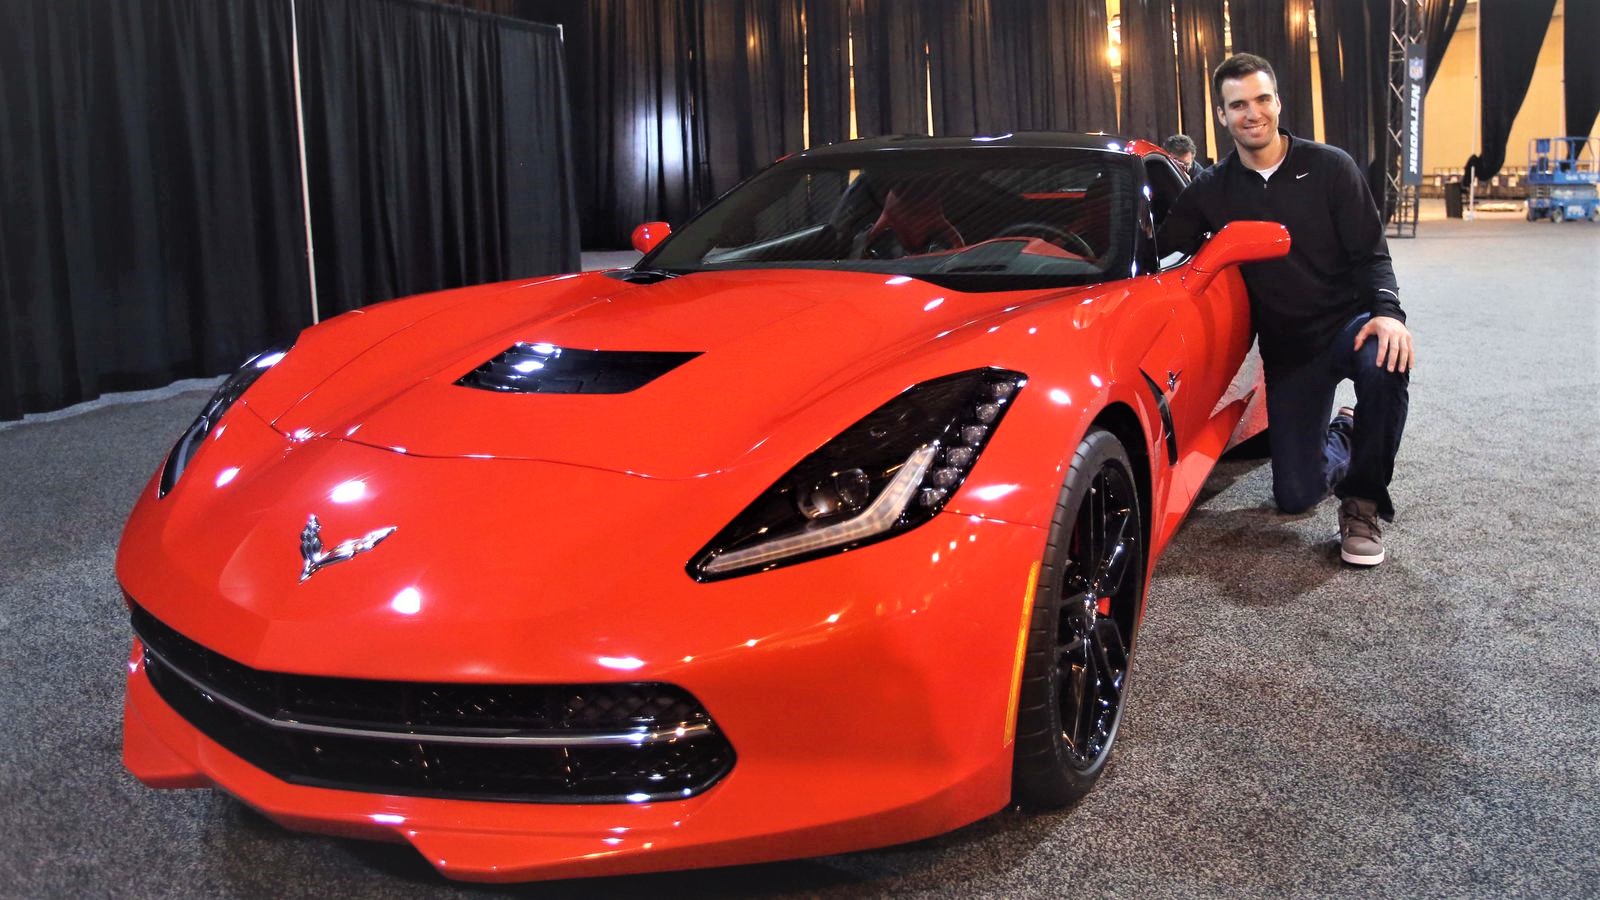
(1080, 639)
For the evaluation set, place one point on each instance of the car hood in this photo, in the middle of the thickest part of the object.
(769, 344)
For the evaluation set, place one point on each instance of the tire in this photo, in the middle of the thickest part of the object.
(1594, 213)
(1532, 216)
(1558, 215)
(1091, 585)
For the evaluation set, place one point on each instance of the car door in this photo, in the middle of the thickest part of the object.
(1195, 358)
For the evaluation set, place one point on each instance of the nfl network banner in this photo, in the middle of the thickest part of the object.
(1416, 84)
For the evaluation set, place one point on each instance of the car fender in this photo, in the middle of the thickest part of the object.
(1083, 359)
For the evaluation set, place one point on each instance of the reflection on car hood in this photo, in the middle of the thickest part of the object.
(770, 344)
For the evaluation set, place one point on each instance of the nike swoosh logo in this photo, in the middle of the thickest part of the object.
(1301, 175)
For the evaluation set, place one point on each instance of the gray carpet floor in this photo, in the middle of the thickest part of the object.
(1427, 729)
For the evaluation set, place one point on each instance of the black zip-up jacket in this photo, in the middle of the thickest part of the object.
(1338, 264)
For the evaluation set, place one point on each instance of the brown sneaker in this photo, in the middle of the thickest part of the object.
(1360, 541)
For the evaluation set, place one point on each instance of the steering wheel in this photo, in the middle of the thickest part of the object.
(1069, 241)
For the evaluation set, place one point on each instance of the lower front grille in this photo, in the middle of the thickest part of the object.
(573, 743)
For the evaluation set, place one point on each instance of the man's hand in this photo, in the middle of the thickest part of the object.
(1394, 342)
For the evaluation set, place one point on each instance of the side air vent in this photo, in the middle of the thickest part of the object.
(547, 369)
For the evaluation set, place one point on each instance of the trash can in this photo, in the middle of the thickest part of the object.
(1452, 200)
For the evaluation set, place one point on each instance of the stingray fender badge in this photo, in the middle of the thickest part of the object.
(315, 557)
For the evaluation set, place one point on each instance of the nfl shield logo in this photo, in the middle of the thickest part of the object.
(1417, 69)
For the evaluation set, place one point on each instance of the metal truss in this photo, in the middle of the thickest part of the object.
(1401, 201)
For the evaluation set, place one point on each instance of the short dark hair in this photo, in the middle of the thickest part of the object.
(1238, 66)
(1179, 144)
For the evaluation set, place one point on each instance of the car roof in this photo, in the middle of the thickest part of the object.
(1062, 140)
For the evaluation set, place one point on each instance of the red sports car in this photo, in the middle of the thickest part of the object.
(826, 526)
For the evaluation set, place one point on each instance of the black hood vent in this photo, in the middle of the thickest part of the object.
(547, 369)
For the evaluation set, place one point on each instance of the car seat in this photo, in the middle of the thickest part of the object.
(914, 216)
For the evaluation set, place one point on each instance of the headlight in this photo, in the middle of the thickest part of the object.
(886, 474)
(189, 443)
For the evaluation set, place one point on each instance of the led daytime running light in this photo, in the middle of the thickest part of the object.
(874, 519)
(904, 460)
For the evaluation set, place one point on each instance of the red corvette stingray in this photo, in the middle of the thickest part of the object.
(826, 526)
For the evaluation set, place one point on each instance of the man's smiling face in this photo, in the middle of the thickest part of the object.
(1250, 110)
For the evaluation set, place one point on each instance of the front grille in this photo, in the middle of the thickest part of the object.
(545, 743)
(526, 368)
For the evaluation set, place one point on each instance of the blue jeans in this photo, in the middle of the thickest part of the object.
(1308, 457)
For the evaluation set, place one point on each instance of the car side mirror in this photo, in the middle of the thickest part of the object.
(1237, 242)
(648, 235)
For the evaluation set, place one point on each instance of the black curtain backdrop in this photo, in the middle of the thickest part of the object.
(1510, 33)
(827, 30)
(1023, 92)
(540, 233)
(498, 7)
(1439, 20)
(994, 65)
(724, 88)
(891, 67)
(1332, 72)
(1149, 71)
(1294, 71)
(1355, 81)
(1257, 27)
(1245, 26)
(641, 169)
(1050, 75)
(152, 227)
(1085, 45)
(960, 49)
(777, 77)
(751, 103)
(1201, 33)
(634, 121)
(1582, 28)
(412, 113)
(153, 224)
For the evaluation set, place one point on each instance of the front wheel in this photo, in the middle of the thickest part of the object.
(1091, 583)
(1558, 215)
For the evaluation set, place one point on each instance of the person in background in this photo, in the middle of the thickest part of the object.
(1182, 149)
(1328, 311)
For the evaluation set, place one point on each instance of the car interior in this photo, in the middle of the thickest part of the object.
(1166, 183)
(1034, 219)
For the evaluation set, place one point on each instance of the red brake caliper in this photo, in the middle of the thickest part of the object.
(1104, 606)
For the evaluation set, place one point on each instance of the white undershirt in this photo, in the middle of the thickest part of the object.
(1266, 174)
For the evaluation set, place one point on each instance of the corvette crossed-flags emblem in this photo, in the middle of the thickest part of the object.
(316, 558)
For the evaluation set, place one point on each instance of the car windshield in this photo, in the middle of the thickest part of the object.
(971, 219)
